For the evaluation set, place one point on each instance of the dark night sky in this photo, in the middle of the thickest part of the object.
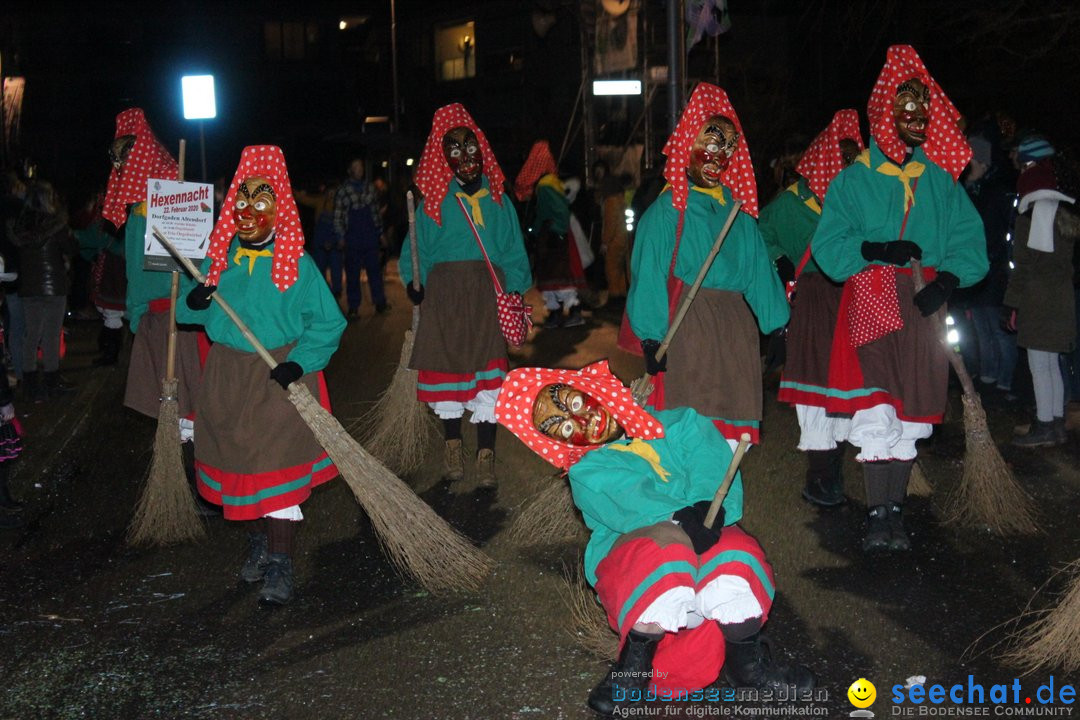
(787, 66)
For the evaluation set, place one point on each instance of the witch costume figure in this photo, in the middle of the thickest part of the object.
(899, 201)
(560, 272)
(787, 224)
(254, 455)
(713, 364)
(466, 231)
(137, 156)
(686, 600)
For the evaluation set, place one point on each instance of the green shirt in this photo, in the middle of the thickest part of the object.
(865, 204)
(742, 266)
(142, 285)
(619, 490)
(306, 313)
(552, 206)
(788, 222)
(454, 241)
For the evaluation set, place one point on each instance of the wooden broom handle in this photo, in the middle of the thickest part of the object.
(410, 202)
(729, 477)
(199, 277)
(955, 360)
(174, 288)
(685, 306)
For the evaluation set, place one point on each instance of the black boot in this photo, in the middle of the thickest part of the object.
(7, 502)
(898, 537)
(824, 482)
(258, 558)
(33, 388)
(877, 480)
(56, 386)
(554, 318)
(574, 319)
(277, 586)
(109, 343)
(634, 668)
(899, 474)
(749, 663)
(878, 530)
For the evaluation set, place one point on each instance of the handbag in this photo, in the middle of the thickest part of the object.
(515, 317)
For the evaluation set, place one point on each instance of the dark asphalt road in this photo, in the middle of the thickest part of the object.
(90, 628)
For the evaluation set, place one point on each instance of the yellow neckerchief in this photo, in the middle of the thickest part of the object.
(474, 204)
(644, 451)
(251, 255)
(139, 209)
(864, 157)
(552, 181)
(716, 193)
(810, 202)
(905, 175)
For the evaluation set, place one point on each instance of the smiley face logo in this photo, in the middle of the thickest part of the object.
(862, 693)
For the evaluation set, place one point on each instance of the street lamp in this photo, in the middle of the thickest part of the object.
(199, 104)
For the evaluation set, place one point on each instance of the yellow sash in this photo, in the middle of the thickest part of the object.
(474, 204)
(645, 452)
(716, 193)
(251, 255)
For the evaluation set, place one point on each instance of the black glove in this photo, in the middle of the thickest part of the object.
(417, 296)
(785, 269)
(692, 520)
(897, 252)
(286, 373)
(199, 297)
(652, 366)
(936, 293)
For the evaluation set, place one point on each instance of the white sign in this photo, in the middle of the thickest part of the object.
(184, 212)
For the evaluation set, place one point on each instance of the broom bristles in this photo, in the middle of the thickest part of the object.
(1052, 641)
(399, 429)
(165, 512)
(988, 495)
(548, 517)
(918, 485)
(588, 624)
(414, 537)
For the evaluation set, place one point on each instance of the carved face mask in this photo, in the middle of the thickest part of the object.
(849, 150)
(462, 151)
(118, 151)
(571, 416)
(255, 210)
(911, 111)
(712, 151)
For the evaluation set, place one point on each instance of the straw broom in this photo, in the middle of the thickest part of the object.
(988, 496)
(399, 428)
(643, 387)
(588, 621)
(548, 517)
(1052, 641)
(417, 541)
(165, 512)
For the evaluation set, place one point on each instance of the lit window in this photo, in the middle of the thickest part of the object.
(455, 51)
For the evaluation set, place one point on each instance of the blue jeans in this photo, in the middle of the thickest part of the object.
(15, 329)
(365, 257)
(329, 260)
(997, 347)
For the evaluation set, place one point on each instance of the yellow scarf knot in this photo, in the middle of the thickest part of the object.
(646, 452)
(905, 175)
(716, 193)
(251, 255)
(474, 204)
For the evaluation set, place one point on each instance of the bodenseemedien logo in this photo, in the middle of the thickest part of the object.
(862, 694)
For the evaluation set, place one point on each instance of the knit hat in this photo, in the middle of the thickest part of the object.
(433, 174)
(945, 144)
(823, 160)
(265, 161)
(539, 163)
(146, 159)
(1034, 147)
(981, 149)
(514, 408)
(707, 101)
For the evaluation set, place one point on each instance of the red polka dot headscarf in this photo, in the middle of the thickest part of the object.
(709, 100)
(517, 395)
(823, 160)
(266, 161)
(945, 144)
(433, 174)
(539, 163)
(148, 158)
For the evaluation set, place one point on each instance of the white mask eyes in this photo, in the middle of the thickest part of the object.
(910, 106)
(566, 429)
(472, 149)
(261, 206)
(713, 147)
(455, 153)
(576, 403)
(241, 204)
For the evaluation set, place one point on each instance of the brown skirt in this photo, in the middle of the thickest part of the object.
(459, 323)
(910, 364)
(810, 332)
(714, 363)
(146, 370)
(246, 423)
